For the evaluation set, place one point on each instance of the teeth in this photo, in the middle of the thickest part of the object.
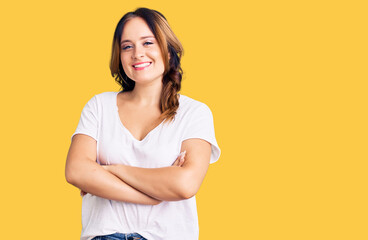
(141, 65)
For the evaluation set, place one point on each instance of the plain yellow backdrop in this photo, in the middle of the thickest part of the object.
(286, 82)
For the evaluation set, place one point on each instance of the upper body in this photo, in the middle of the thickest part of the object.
(159, 148)
(123, 149)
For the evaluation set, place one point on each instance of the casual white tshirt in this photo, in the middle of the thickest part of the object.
(174, 220)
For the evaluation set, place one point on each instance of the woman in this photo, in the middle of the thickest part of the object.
(140, 155)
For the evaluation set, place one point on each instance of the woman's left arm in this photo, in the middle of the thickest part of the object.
(170, 183)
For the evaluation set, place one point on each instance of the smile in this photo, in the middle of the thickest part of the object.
(141, 66)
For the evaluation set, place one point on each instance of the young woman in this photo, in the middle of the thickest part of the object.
(140, 155)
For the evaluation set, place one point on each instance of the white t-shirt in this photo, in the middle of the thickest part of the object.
(174, 220)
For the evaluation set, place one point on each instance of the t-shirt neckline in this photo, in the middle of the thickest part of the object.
(145, 139)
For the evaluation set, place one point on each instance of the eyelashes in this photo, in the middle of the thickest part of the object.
(129, 46)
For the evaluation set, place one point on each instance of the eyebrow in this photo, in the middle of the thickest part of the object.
(127, 40)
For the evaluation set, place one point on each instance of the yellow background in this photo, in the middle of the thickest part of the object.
(286, 82)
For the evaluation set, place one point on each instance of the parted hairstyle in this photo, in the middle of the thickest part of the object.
(169, 44)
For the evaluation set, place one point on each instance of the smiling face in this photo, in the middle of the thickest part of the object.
(140, 55)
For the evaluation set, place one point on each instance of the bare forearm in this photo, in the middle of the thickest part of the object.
(94, 179)
(160, 183)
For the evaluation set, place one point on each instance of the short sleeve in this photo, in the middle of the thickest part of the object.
(88, 122)
(201, 125)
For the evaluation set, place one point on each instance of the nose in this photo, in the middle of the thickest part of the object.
(138, 52)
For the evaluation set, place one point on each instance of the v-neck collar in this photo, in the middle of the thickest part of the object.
(145, 139)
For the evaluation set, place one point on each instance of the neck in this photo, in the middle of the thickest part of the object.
(146, 95)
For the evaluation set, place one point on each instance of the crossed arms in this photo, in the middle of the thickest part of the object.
(126, 183)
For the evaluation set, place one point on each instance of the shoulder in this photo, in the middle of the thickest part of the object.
(102, 98)
(190, 103)
(104, 95)
(190, 106)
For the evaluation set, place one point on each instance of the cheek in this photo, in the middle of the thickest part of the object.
(159, 59)
(124, 61)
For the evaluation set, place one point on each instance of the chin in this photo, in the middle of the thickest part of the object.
(147, 80)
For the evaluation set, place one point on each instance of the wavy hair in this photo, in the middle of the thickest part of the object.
(169, 44)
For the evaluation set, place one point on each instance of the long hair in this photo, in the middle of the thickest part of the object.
(169, 44)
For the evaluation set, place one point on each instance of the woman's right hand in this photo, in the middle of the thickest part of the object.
(179, 160)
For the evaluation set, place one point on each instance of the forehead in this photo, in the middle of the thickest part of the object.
(135, 28)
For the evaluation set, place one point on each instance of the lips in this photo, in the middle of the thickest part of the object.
(141, 65)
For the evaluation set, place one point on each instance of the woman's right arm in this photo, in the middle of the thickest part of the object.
(85, 173)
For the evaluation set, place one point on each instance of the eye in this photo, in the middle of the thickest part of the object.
(147, 43)
(125, 48)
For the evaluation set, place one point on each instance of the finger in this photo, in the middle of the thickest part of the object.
(177, 161)
(181, 162)
(182, 159)
(82, 193)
